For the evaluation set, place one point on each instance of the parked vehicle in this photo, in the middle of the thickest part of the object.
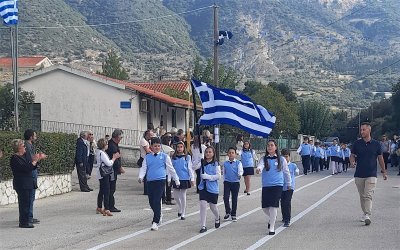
(329, 141)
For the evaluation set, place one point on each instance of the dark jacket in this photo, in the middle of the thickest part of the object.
(22, 172)
(81, 155)
(112, 149)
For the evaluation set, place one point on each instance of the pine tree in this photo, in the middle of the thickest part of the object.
(112, 67)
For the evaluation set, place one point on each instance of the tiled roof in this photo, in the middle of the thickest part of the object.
(161, 86)
(150, 92)
(23, 62)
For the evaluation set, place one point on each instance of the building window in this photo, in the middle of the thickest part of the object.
(173, 116)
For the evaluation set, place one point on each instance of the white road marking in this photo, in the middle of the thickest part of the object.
(184, 243)
(262, 241)
(163, 209)
(132, 235)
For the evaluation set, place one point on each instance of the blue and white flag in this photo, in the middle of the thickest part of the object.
(225, 106)
(9, 11)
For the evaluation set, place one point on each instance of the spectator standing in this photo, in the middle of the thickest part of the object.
(23, 182)
(30, 137)
(144, 150)
(81, 161)
(113, 148)
(92, 148)
(105, 176)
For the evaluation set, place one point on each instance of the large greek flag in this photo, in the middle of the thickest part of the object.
(9, 11)
(225, 106)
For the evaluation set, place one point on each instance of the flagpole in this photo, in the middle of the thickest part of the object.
(195, 116)
(215, 44)
(14, 55)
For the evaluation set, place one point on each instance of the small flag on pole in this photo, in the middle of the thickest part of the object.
(9, 11)
(225, 106)
(222, 35)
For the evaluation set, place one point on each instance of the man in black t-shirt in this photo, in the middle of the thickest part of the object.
(365, 152)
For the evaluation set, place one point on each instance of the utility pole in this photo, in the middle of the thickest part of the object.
(215, 44)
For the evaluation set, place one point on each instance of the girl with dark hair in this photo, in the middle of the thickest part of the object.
(182, 164)
(247, 157)
(275, 173)
(208, 187)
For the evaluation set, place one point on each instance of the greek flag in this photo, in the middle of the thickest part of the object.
(225, 106)
(9, 11)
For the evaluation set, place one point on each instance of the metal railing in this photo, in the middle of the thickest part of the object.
(130, 137)
(258, 144)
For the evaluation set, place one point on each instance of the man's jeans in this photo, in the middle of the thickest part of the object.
(32, 196)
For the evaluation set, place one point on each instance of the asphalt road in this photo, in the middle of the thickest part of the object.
(325, 214)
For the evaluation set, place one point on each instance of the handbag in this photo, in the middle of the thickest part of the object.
(105, 170)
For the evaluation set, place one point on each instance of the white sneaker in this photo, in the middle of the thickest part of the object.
(367, 220)
(154, 227)
(363, 218)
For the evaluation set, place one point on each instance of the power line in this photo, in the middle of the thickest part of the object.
(375, 72)
(323, 27)
(115, 23)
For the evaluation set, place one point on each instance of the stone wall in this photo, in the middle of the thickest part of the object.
(48, 185)
(129, 155)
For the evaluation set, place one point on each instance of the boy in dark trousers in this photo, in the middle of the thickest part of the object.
(233, 170)
(156, 166)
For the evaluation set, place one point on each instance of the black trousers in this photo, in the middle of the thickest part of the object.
(24, 197)
(81, 171)
(113, 187)
(386, 158)
(104, 193)
(321, 164)
(316, 161)
(197, 180)
(155, 190)
(167, 194)
(312, 163)
(89, 167)
(231, 188)
(328, 160)
(286, 205)
(306, 162)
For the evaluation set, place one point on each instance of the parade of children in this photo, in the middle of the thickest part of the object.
(156, 166)
(182, 164)
(232, 170)
(247, 156)
(274, 174)
(210, 173)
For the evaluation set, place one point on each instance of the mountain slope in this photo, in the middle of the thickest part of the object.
(69, 42)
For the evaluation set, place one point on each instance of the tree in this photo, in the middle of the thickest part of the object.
(112, 67)
(228, 78)
(287, 119)
(7, 105)
(285, 90)
(316, 118)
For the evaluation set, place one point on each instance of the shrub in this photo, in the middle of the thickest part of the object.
(59, 147)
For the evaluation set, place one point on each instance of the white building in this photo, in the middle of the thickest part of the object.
(73, 100)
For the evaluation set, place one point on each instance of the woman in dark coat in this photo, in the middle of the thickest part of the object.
(23, 181)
